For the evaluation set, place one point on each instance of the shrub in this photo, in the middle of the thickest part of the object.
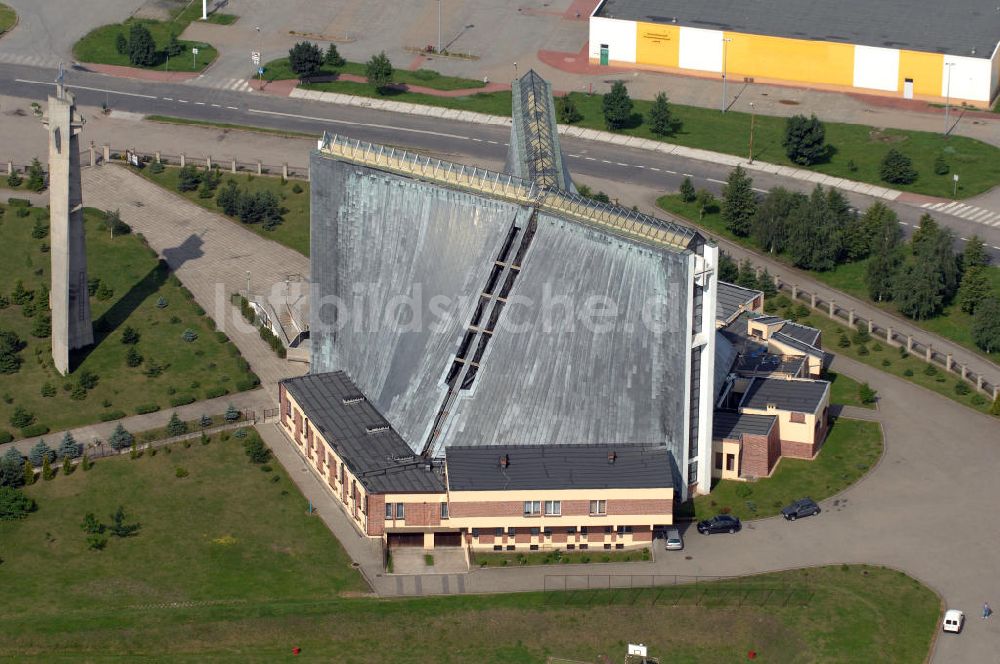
(14, 504)
(5, 436)
(146, 408)
(297, 188)
(120, 438)
(40, 452)
(866, 394)
(843, 341)
(205, 421)
(886, 363)
(941, 166)
(897, 168)
(256, 450)
(48, 390)
(112, 415)
(862, 350)
(266, 468)
(133, 358)
(240, 433)
(189, 335)
(156, 168)
(216, 392)
(130, 335)
(175, 427)
(877, 347)
(180, 472)
(182, 400)
(962, 388)
(232, 413)
(566, 110)
(161, 303)
(34, 430)
(804, 140)
(21, 418)
(79, 393)
(930, 370)
(119, 528)
(978, 400)
(908, 373)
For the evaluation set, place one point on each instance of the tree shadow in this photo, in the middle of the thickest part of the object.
(125, 306)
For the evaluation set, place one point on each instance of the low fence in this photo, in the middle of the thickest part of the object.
(881, 331)
(101, 449)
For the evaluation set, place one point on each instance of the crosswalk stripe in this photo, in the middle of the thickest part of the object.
(966, 213)
(926, 205)
(993, 217)
(982, 215)
(949, 207)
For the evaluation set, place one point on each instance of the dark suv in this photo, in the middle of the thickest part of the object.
(800, 508)
(723, 523)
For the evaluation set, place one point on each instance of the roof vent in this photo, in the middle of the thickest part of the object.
(504, 461)
(377, 428)
(612, 455)
(772, 406)
(354, 398)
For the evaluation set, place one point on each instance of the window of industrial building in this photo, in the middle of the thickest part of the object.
(532, 507)
(584, 546)
(730, 461)
(444, 510)
(619, 546)
(607, 546)
(498, 547)
(798, 418)
(718, 460)
(583, 531)
(510, 547)
(598, 507)
(475, 533)
(388, 510)
(512, 531)
(399, 511)
(533, 547)
(548, 532)
(607, 530)
(624, 530)
(571, 530)
(535, 531)
(553, 507)
(498, 532)
(570, 547)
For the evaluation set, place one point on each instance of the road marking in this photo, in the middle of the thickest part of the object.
(760, 191)
(168, 99)
(964, 239)
(356, 124)
(605, 161)
(84, 87)
(688, 175)
(671, 172)
(590, 159)
(183, 101)
(654, 168)
(434, 132)
(621, 164)
(199, 103)
(904, 223)
(478, 140)
(981, 215)
(216, 106)
(639, 166)
(232, 108)
(716, 181)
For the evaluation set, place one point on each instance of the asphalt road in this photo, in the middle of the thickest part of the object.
(461, 141)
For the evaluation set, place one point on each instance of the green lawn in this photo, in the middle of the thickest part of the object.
(228, 566)
(8, 17)
(293, 232)
(198, 369)
(278, 70)
(98, 45)
(951, 324)
(851, 449)
(844, 390)
(169, 119)
(912, 368)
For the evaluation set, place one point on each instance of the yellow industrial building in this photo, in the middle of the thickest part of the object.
(914, 49)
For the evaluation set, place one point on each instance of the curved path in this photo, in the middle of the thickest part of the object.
(926, 508)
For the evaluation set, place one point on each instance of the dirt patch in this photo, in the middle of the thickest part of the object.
(881, 136)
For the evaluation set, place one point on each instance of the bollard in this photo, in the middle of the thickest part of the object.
(158, 157)
(93, 155)
(871, 327)
(833, 309)
(10, 168)
(964, 370)
(208, 162)
(183, 160)
(260, 168)
(234, 165)
(284, 170)
(795, 292)
(888, 336)
(812, 300)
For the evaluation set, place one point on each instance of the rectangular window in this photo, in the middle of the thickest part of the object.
(532, 508)
(583, 547)
(498, 532)
(533, 547)
(570, 547)
(475, 533)
(607, 546)
(399, 511)
(598, 507)
(388, 510)
(553, 508)
(288, 408)
(619, 546)
(548, 532)
(444, 510)
(535, 531)
(718, 460)
(607, 530)
(498, 547)
(730, 461)
(583, 531)
(798, 418)
(512, 531)
(510, 547)
(571, 530)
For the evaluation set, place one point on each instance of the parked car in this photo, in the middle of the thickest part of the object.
(800, 508)
(674, 540)
(722, 523)
(953, 621)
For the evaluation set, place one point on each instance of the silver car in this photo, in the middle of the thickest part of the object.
(674, 540)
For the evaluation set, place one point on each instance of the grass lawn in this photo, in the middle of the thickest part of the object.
(889, 359)
(851, 449)
(8, 17)
(169, 119)
(293, 232)
(199, 369)
(228, 566)
(558, 557)
(98, 45)
(279, 70)
(951, 324)
(844, 390)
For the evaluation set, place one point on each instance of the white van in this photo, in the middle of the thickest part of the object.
(953, 621)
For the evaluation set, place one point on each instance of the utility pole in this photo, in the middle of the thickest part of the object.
(752, 117)
(725, 42)
(947, 103)
(439, 27)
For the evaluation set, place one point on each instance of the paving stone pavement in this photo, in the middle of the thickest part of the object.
(209, 254)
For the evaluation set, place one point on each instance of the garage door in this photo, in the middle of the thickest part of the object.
(447, 539)
(398, 540)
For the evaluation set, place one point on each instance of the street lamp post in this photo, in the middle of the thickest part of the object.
(947, 103)
(439, 27)
(204, 10)
(725, 41)
(751, 131)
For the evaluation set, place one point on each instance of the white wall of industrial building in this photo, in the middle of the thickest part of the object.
(970, 78)
(700, 49)
(995, 77)
(876, 68)
(618, 35)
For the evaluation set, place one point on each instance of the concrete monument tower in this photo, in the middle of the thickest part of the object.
(68, 298)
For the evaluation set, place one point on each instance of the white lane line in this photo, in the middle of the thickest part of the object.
(216, 106)
(84, 87)
(926, 205)
(199, 103)
(478, 140)
(183, 101)
(168, 99)
(232, 108)
(964, 239)
(434, 132)
(639, 166)
(620, 164)
(356, 124)
(590, 159)
(995, 247)
(716, 181)
(687, 175)
(605, 161)
(575, 156)
(759, 191)
(654, 168)
(671, 172)
(903, 223)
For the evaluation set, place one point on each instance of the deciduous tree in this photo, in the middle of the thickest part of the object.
(378, 72)
(770, 226)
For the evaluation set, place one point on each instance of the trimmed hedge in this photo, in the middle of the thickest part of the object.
(146, 408)
(112, 415)
(182, 400)
(34, 430)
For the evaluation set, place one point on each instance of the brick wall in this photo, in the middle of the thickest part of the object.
(487, 508)
(376, 514)
(422, 514)
(796, 450)
(646, 506)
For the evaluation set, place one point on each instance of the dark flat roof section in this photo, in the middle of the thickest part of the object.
(802, 396)
(727, 424)
(958, 27)
(540, 467)
(357, 431)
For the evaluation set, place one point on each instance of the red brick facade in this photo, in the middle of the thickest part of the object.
(376, 508)
(569, 508)
(759, 454)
